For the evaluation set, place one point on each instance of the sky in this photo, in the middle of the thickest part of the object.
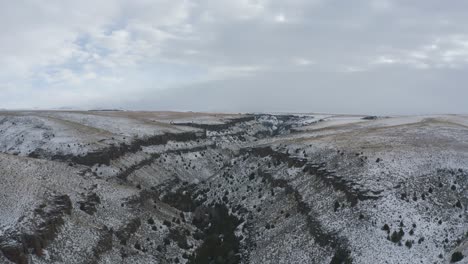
(360, 56)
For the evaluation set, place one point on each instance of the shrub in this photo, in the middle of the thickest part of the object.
(396, 236)
(457, 256)
(409, 243)
(386, 228)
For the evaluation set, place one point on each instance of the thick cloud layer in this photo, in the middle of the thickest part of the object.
(374, 56)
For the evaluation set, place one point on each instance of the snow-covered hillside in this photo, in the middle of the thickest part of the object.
(169, 187)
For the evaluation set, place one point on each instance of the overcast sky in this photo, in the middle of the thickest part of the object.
(373, 56)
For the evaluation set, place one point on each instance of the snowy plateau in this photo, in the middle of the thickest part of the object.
(186, 187)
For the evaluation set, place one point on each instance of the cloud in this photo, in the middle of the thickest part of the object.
(280, 18)
(302, 61)
(117, 53)
(387, 91)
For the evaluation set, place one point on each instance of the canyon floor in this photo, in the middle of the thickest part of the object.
(185, 187)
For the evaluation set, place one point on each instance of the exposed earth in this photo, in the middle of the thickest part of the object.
(172, 187)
